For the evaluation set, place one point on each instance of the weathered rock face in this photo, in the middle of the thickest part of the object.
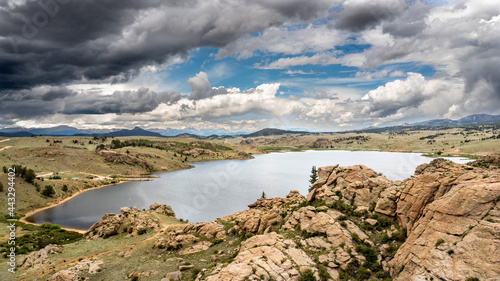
(264, 257)
(134, 222)
(39, 258)
(452, 214)
(264, 213)
(74, 273)
(387, 203)
(162, 209)
(207, 229)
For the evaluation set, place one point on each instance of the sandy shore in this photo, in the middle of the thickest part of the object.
(23, 219)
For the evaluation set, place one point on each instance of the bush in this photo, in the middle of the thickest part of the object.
(48, 191)
(29, 175)
(307, 275)
(65, 188)
(371, 259)
(1, 186)
(323, 274)
(41, 236)
(439, 242)
(363, 274)
(113, 233)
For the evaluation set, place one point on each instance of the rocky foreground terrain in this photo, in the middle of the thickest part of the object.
(443, 223)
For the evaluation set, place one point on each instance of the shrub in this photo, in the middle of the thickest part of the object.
(339, 194)
(1, 186)
(48, 191)
(65, 188)
(356, 238)
(372, 206)
(307, 275)
(113, 233)
(323, 274)
(439, 242)
(371, 259)
(363, 274)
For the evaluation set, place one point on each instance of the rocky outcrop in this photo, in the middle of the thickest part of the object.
(207, 229)
(175, 240)
(39, 259)
(162, 209)
(74, 273)
(266, 257)
(264, 213)
(356, 185)
(131, 221)
(115, 157)
(452, 213)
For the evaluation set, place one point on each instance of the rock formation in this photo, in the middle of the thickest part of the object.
(133, 221)
(39, 259)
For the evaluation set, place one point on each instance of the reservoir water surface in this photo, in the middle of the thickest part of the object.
(218, 188)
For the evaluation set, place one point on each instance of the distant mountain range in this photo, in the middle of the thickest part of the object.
(211, 134)
(471, 119)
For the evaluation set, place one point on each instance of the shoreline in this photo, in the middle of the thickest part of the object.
(29, 214)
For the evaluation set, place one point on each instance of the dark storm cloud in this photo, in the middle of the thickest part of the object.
(50, 42)
(357, 16)
(58, 93)
(26, 103)
(120, 102)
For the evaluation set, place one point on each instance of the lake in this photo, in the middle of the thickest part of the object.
(218, 188)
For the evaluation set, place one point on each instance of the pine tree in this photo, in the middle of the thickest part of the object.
(263, 196)
(314, 175)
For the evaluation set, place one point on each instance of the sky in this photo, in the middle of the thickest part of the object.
(240, 66)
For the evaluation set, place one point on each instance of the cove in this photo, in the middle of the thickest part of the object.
(214, 189)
